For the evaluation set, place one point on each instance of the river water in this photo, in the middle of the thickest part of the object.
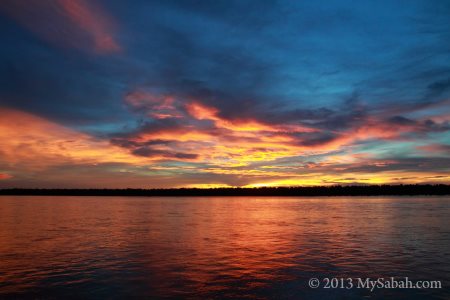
(221, 247)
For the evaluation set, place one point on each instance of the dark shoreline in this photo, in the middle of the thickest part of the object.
(337, 190)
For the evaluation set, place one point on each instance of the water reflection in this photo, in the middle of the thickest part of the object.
(254, 248)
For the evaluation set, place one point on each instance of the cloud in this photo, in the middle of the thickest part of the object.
(437, 88)
(92, 20)
(4, 176)
(202, 112)
(148, 151)
(224, 143)
(224, 92)
(80, 24)
(435, 148)
(31, 143)
(153, 105)
(42, 153)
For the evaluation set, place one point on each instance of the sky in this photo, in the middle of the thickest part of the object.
(159, 94)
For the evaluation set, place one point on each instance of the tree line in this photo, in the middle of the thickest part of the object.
(335, 190)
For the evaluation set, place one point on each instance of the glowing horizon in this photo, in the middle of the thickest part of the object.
(123, 97)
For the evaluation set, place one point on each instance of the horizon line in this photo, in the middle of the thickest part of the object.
(332, 190)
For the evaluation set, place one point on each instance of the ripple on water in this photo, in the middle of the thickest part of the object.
(254, 248)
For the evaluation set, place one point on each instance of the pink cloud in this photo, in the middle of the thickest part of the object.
(92, 19)
(66, 23)
(435, 148)
(155, 106)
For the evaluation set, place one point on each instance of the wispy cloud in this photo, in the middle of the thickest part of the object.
(66, 23)
(224, 92)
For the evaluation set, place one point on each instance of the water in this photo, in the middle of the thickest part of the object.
(236, 248)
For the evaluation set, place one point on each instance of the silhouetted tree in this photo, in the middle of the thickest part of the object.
(336, 190)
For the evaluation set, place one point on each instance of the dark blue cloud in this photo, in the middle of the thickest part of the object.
(258, 55)
(255, 54)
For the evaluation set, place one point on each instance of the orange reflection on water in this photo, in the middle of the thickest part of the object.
(212, 247)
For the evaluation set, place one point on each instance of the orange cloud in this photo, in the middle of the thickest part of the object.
(28, 142)
(221, 148)
(34, 145)
(229, 142)
(225, 143)
(203, 112)
(225, 148)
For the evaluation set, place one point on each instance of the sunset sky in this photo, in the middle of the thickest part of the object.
(223, 93)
